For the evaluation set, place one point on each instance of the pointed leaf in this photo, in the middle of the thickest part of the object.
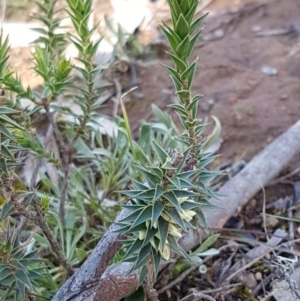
(162, 155)
(183, 49)
(134, 247)
(150, 234)
(187, 205)
(3, 166)
(167, 165)
(187, 175)
(207, 243)
(132, 217)
(183, 94)
(175, 182)
(158, 192)
(180, 64)
(192, 43)
(177, 248)
(21, 288)
(157, 209)
(146, 195)
(191, 13)
(182, 163)
(150, 177)
(173, 213)
(171, 39)
(197, 22)
(143, 256)
(184, 193)
(170, 196)
(138, 185)
(145, 215)
(156, 258)
(5, 152)
(180, 109)
(6, 132)
(163, 227)
(202, 219)
(171, 71)
(182, 27)
(7, 210)
(7, 281)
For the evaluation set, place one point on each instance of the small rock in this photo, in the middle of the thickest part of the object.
(216, 35)
(219, 33)
(256, 28)
(283, 97)
(271, 222)
(206, 106)
(109, 203)
(248, 279)
(255, 221)
(258, 276)
(269, 70)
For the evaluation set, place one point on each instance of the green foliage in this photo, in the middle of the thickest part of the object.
(55, 42)
(19, 138)
(173, 193)
(19, 269)
(83, 168)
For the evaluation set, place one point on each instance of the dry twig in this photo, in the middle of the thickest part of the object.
(197, 296)
(188, 271)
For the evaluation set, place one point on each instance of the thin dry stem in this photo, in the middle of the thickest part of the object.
(41, 222)
(221, 289)
(197, 296)
(188, 271)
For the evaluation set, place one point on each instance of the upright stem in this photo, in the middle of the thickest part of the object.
(65, 160)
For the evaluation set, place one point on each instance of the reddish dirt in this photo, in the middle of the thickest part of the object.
(253, 107)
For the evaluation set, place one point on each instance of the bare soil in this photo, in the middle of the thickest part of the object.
(253, 107)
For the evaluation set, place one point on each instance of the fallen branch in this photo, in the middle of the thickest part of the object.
(234, 194)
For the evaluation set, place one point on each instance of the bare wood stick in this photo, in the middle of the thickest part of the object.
(234, 194)
(197, 296)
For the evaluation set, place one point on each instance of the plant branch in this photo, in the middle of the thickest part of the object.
(64, 153)
(39, 219)
(41, 222)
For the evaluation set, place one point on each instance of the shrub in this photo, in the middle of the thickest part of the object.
(73, 169)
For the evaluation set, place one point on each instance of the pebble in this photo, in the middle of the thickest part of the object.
(249, 280)
(271, 222)
(258, 276)
(256, 28)
(206, 106)
(269, 70)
